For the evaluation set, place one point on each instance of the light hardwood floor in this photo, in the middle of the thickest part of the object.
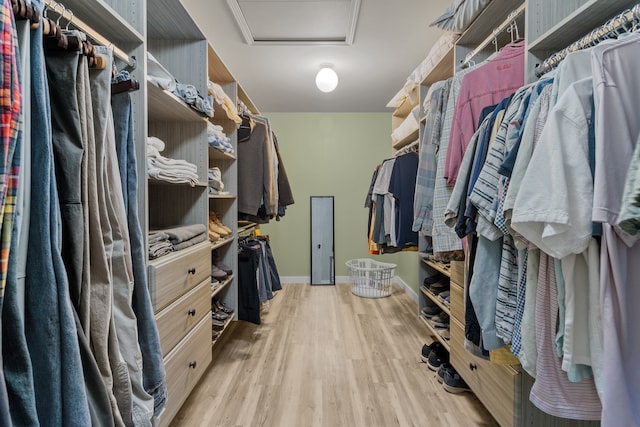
(325, 357)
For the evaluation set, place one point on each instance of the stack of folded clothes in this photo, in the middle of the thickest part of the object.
(216, 186)
(162, 242)
(159, 244)
(166, 169)
(217, 139)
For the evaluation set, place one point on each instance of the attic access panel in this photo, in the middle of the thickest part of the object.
(296, 21)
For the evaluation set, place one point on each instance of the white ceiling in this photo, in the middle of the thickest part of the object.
(391, 38)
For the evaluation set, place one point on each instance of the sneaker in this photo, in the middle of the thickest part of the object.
(222, 307)
(441, 321)
(427, 349)
(453, 383)
(219, 315)
(444, 333)
(217, 325)
(444, 296)
(437, 358)
(445, 367)
(433, 279)
(224, 267)
(429, 311)
(439, 287)
(218, 274)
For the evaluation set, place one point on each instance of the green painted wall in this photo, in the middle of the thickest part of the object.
(331, 154)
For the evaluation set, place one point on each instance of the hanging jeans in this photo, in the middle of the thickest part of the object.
(248, 300)
(273, 270)
(153, 373)
(68, 84)
(136, 406)
(60, 393)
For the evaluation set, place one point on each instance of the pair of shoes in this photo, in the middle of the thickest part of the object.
(445, 367)
(216, 225)
(213, 236)
(217, 261)
(437, 357)
(430, 309)
(220, 306)
(218, 314)
(215, 335)
(435, 346)
(453, 383)
(429, 280)
(438, 287)
(440, 321)
(217, 325)
(444, 333)
(218, 274)
(445, 297)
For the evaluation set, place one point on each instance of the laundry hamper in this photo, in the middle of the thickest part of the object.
(370, 279)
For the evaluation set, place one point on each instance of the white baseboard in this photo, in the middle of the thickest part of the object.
(412, 294)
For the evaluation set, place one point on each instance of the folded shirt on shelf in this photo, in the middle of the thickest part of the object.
(224, 100)
(217, 139)
(215, 179)
(190, 95)
(162, 168)
(161, 77)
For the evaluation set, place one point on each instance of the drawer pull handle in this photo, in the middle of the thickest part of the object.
(192, 270)
(192, 312)
(193, 364)
(473, 366)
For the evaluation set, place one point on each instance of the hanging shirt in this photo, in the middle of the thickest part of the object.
(486, 85)
(617, 95)
(403, 186)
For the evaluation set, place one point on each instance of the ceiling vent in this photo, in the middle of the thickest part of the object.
(297, 22)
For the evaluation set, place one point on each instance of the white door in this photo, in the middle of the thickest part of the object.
(322, 247)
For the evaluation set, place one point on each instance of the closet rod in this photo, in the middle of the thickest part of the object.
(91, 33)
(411, 147)
(624, 22)
(505, 25)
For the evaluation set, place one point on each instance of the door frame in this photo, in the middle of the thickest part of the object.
(333, 246)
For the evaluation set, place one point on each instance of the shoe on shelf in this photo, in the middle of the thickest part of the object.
(439, 287)
(453, 383)
(434, 278)
(445, 367)
(441, 321)
(213, 217)
(224, 267)
(217, 229)
(214, 335)
(442, 296)
(427, 349)
(217, 325)
(213, 236)
(222, 306)
(219, 315)
(430, 309)
(437, 358)
(218, 274)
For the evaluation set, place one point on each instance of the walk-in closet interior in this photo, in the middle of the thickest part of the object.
(157, 262)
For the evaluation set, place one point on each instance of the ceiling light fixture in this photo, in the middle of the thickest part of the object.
(326, 79)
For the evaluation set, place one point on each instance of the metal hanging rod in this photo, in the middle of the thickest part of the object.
(625, 22)
(508, 25)
(59, 8)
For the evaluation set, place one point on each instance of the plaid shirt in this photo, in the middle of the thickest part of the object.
(11, 105)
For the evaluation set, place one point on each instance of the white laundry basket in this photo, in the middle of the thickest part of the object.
(370, 279)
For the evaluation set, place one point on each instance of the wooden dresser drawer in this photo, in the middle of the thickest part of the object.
(456, 270)
(184, 365)
(457, 302)
(494, 385)
(174, 274)
(175, 321)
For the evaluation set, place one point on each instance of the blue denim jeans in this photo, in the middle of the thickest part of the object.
(59, 386)
(153, 373)
(136, 406)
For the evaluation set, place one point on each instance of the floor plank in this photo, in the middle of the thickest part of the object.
(325, 357)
